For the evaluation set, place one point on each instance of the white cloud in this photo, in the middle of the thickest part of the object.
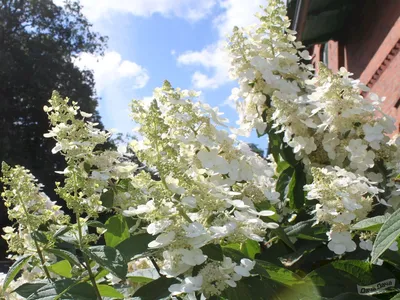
(111, 69)
(115, 79)
(191, 10)
(214, 58)
(237, 13)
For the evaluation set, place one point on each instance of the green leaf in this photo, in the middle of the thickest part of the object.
(62, 268)
(344, 276)
(303, 249)
(256, 288)
(61, 231)
(240, 292)
(109, 291)
(14, 269)
(295, 189)
(306, 231)
(87, 167)
(388, 233)
(110, 259)
(283, 181)
(396, 297)
(136, 244)
(233, 253)
(250, 248)
(157, 289)
(235, 246)
(276, 273)
(65, 255)
(40, 237)
(65, 289)
(101, 274)
(117, 230)
(213, 251)
(274, 145)
(140, 279)
(371, 224)
(283, 236)
(95, 224)
(107, 199)
(287, 154)
(281, 166)
(28, 289)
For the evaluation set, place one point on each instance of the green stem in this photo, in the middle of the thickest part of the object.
(184, 215)
(39, 251)
(87, 263)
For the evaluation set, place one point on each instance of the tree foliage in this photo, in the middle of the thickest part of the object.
(206, 217)
(38, 41)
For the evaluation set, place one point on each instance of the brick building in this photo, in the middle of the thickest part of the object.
(361, 35)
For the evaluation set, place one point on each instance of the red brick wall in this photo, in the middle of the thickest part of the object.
(371, 50)
(367, 31)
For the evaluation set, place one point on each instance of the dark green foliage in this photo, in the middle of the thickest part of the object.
(37, 42)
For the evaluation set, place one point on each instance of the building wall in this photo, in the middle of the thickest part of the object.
(368, 30)
(371, 50)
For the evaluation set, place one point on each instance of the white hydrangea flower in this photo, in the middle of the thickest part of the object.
(188, 285)
(341, 242)
(163, 240)
(246, 265)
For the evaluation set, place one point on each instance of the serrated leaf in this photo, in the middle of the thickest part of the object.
(109, 291)
(256, 288)
(61, 231)
(306, 231)
(107, 199)
(110, 259)
(65, 289)
(276, 273)
(371, 224)
(388, 233)
(296, 188)
(140, 279)
(213, 251)
(157, 289)
(117, 230)
(250, 248)
(284, 237)
(343, 276)
(14, 269)
(289, 259)
(39, 237)
(134, 245)
(27, 289)
(62, 268)
(65, 255)
(95, 224)
(283, 182)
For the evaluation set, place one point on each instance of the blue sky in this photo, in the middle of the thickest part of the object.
(153, 40)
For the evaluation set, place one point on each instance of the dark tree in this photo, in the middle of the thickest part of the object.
(38, 41)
